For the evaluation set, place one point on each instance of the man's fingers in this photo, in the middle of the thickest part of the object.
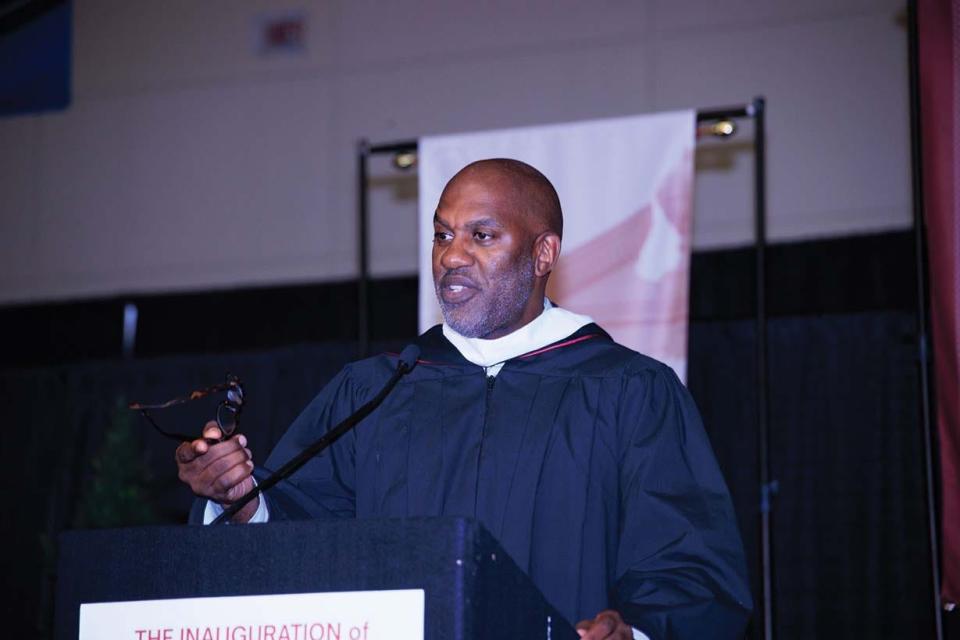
(607, 624)
(222, 464)
(232, 478)
(599, 631)
(185, 453)
(214, 453)
(583, 627)
(240, 489)
(218, 470)
(217, 479)
(212, 431)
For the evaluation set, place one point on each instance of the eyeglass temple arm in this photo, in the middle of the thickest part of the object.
(179, 437)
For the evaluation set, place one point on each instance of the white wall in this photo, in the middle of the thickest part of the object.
(188, 161)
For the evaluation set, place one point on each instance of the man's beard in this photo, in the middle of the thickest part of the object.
(499, 305)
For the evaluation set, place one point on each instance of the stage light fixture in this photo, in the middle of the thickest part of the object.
(718, 129)
(405, 160)
(723, 128)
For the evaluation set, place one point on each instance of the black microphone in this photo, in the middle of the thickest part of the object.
(408, 360)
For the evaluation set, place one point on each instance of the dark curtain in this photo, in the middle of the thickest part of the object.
(850, 545)
(849, 538)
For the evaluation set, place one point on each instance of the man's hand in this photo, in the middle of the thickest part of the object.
(608, 624)
(222, 472)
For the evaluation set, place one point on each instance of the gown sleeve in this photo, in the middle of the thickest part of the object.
(325, 486)
(680, 564)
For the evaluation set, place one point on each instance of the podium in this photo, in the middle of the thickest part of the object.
(471, 589)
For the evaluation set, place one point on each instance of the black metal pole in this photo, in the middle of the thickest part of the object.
(403, 146)
(923, 360)
(363, 268)
(723, 113)
(768, 486)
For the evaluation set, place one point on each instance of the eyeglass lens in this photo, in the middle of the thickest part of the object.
(235, 395)
(228, 413)
(228, 419)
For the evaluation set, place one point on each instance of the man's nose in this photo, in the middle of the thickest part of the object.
(456, 254)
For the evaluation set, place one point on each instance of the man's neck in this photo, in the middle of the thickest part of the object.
(551, 325)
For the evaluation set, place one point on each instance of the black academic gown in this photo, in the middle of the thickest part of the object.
(586, 460)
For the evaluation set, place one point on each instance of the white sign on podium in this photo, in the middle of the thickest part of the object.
(345, 615)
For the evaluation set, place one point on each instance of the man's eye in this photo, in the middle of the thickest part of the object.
(441, 236)
(482, 235)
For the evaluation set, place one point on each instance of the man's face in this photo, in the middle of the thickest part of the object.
(483, 266)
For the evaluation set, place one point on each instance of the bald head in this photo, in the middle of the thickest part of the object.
(530, 191)
(496, 239)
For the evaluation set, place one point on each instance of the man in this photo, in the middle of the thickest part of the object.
(586, 460)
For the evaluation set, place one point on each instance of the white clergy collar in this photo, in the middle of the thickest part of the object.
(551, 325)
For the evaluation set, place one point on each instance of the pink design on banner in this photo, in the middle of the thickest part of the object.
(633, 279)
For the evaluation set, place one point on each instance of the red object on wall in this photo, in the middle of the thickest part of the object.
(938, 24)
(282, 33)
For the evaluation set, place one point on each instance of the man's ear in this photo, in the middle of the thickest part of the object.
(546, 252)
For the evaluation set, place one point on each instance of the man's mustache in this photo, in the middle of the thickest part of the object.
(457, 277)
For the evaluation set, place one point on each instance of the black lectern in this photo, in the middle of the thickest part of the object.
(472, 589)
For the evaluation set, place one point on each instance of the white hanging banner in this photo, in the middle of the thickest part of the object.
(626, 187)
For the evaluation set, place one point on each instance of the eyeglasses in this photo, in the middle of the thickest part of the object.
(228, 411)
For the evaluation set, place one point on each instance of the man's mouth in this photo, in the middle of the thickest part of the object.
(457, 289)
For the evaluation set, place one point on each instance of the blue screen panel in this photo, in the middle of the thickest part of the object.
(35, 60)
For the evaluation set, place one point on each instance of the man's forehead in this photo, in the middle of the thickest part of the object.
(479, 220)
(470, 217)
(480, 183)
(481, 190)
